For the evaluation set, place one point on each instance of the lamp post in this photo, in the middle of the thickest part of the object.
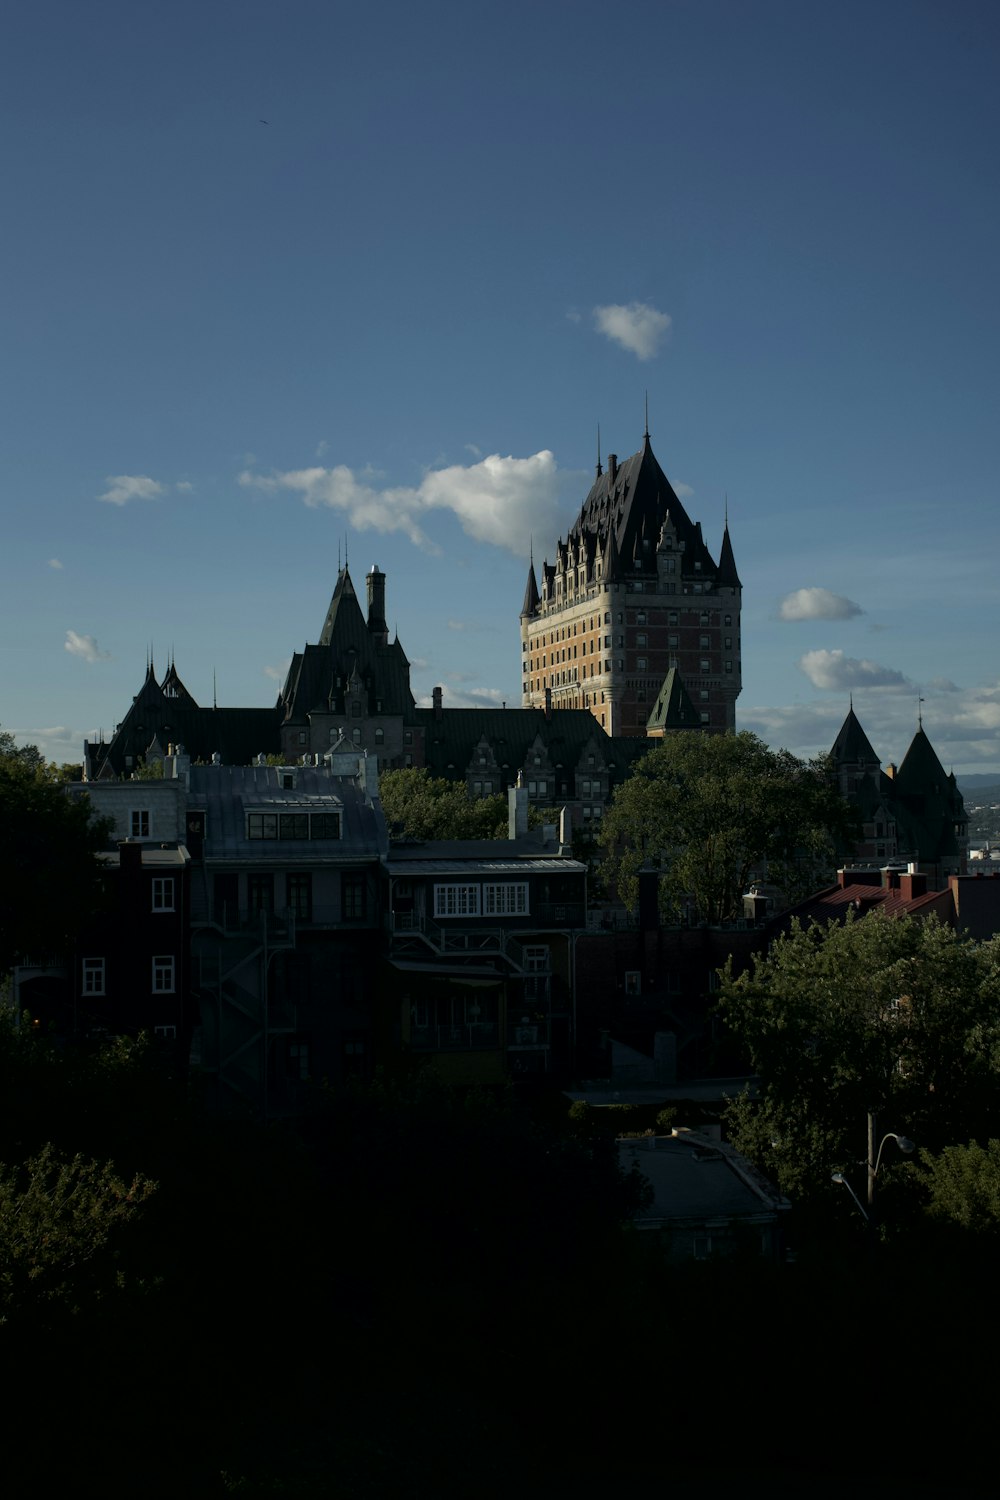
(872, 1163)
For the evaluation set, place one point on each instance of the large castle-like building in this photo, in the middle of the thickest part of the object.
(634, 621)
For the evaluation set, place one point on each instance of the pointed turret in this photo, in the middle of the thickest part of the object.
(673, 708)
(727, 576)
(530, 594)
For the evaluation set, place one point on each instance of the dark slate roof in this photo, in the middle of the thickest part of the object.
(727, 576)
(452, 735)
(530, 593)
(673, 708)
(229, 792)
(157, 719)
(347, 649)
(626, 511)
(852, 744)
(930, 799)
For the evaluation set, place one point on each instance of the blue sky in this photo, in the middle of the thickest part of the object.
(396, 312)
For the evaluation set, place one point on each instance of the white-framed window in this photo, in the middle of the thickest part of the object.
(507, 898)
(163, 974)
(456, 901)
(139, 822)
(93, 976)
(163, 893)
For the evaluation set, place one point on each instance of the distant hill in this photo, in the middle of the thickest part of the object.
(983, 787)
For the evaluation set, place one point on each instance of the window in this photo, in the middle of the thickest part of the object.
(260, 893)
(509, 898)
(407, 736)
(163, 974)
(324, 826)
(353, 898)
(167, 1033)
(356, 736)
(640, 618)
(703, 642)
(456, 901)
(640, 639)
(641, 663)
(704, 617)
(356, 709)
(706, 665)
(380, 736)
(633, 982)
(140, 823)
(673, 640)
(93, 976)
(729, 619)
(729, 666)
(302, 736)
(705, 717)
(262, 825)
(294, 826)
(299, 892)
(163, 893)
(703, 694)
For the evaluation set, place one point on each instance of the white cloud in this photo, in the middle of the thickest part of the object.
(184, 486)
(55, 563)
(834, 671)
(85, 647)
(126, 487)
(637, 327)
(497, 500)
(471, 448)
(683, 491)
(943, 685)
(818, 604)
(456, 624)
(573, 316)
(321, 448)
(279, 673)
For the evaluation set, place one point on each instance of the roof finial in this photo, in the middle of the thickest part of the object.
(646, 432)
(345, 550)
(531, 548)
(599, 469)
(726, 516)
(215, 700)
(850, 701)
(338, 556)
(920, 717)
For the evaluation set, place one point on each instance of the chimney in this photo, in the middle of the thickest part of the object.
(612, 468)
(436, 698)
(517, 809)
(548, 703)
(376, 604)
(890, 770)
(130, 855)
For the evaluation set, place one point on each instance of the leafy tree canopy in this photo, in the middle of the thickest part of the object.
(709, 811)
(48, 866)
(895, 1016)
(428, 807)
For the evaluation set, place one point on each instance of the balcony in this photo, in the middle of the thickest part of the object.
(473, 1036)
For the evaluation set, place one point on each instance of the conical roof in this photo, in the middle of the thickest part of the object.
(673, 708)
(852, 746)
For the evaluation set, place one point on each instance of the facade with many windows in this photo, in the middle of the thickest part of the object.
(633, 593)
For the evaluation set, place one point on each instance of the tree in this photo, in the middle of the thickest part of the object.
(428, 807)
(48, 865)
(57, 1215)
(964, 1185)
(899, 1017)
(708, 811)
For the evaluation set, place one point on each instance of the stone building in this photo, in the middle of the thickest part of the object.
(633, 595)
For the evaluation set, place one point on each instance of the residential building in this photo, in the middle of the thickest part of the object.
(633, 593)
(481, 937)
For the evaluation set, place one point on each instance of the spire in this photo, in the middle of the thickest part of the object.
(645, 431)
(727, 576)
(530, 604)
(599, 471)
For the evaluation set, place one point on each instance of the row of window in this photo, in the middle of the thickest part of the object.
(300, 825)
(507, 898)
(95, 977)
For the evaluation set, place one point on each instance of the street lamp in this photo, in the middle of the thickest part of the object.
(872, 1164)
